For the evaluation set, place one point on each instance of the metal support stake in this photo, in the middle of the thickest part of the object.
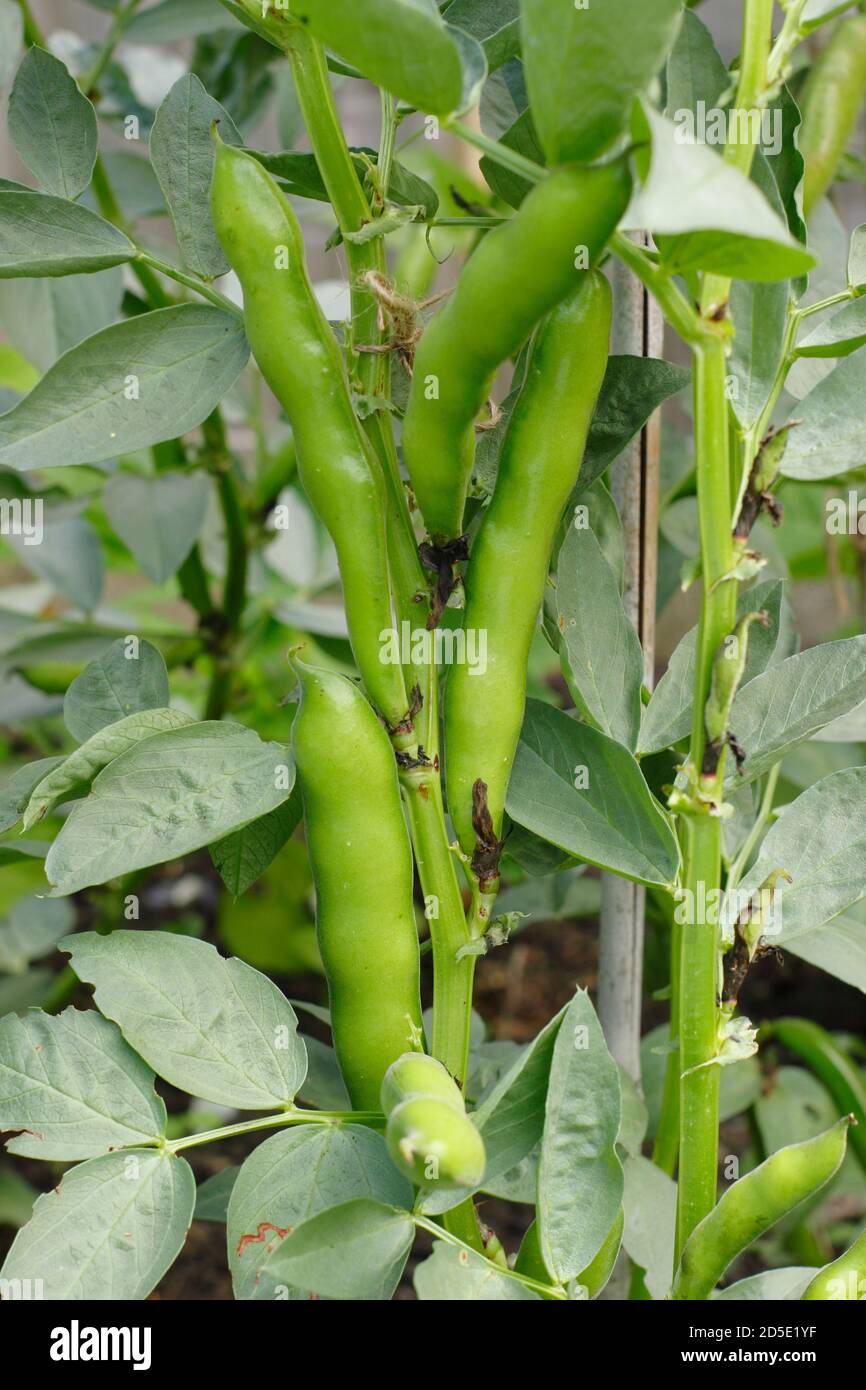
(639, 331)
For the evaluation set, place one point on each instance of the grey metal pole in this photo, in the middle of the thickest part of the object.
(639, 331)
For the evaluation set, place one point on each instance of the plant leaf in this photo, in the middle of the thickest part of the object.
(41, 235)
(128, 677)
(52, 124)
(76, 772)
(611, 820)
(174, 793)
(458, 1276)
(74, 1087)
(820, 840)
(17, 789)
(494, 23)
(787, 704)
(130, 386)
(650, 1207)
(296, 1175)
(604, 677)
(584, 67)
(401, 45)
(182, 155)
(215, 1028)
(353, 1251)
(838, 336)
(580, 1181)
(34, 927)
(110, 1230)
(158, 519)
(708, 216)
(69, 557)
(243, 856)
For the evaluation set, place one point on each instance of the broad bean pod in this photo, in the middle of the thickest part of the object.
(508, 567)
(519, 272)
(301, 361)
(753, 1204)
(362, 869)
(830, 105)
(842, 1280)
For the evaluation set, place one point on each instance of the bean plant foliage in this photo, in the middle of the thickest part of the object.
(406, 476)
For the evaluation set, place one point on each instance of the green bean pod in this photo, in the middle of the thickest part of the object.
(429, 1135)
(303, 365)
(755, 1203)
(830, 105)
(519, 272)
(362, 869)
(508, 567)
(844, 1279)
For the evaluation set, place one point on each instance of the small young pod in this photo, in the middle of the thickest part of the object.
(434, 1143)
(416, 1074)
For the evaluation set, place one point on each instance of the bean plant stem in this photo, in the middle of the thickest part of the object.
(549, 1290)
(697, 984)
(192, 282)
(124, 14)
(110, 209)
(752, 94)
(32, 29)
(501, 154)
(766, 810)
(277, 1121)
(696, 1010)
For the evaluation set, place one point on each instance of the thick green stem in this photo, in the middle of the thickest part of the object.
(697, 1003)
(752, 94)
(452, 997)
(110, 209)
(715, 508)
(698, 1023)
(667, 1141)
(351, 207)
